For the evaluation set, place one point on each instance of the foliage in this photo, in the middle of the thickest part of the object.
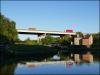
(28, 41)
(80, 34)
(64, 39)
(96, 38)
(8, 33)
(48, 39)
(67, 39)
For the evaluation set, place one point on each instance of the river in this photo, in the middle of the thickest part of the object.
(74, 64)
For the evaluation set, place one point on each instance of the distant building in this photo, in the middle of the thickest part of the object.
(87, 41)
(77, 40)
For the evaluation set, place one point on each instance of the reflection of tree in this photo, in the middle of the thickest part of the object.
(7, 69)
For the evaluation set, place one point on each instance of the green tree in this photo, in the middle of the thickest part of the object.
(28, 41)
(66, 39)
(96, 39)
(48, 39)
(80, 34)
(8, 33)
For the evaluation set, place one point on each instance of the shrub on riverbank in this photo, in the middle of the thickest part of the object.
(32, 50)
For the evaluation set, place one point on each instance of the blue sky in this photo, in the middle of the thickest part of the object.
(53, 15)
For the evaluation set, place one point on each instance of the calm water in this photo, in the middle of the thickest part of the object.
(59, 68)
(69, 66)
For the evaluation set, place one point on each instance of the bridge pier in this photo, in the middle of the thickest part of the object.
(40, 36)
(72, 42)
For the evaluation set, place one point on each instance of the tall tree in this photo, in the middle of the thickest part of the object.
(8, 33)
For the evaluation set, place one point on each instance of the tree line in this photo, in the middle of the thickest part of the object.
(8, 32)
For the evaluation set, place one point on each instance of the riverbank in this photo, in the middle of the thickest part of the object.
(41, 52)
(28, 51)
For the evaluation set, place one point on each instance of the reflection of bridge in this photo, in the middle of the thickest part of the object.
(33, 64)
(41, 33)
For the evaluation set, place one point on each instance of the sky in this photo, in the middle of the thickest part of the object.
(53, 15)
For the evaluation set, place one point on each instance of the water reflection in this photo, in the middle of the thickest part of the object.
(57, 67)
(7, 67)
(76, 64)
(88, 57)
